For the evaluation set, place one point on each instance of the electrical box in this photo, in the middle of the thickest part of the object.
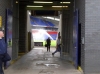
(83, 40)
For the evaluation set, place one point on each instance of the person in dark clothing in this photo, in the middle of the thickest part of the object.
(2, 52)
(58, 46)
(1, 70)
(4, 57)
(48, 41)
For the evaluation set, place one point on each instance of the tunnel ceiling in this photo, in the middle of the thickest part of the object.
(46, 8)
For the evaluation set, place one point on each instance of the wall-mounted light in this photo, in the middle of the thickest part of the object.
(16, 2)
(34, 6)
(29, 13)
(41, 2)
(66, 2)
(59, 6)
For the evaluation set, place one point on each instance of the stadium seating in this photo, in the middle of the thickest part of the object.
(39, 22)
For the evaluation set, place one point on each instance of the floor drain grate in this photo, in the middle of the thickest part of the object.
(46, 72)
(39, 64)
(40, 59)
(48, 65)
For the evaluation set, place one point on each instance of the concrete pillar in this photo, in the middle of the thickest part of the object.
(64, 32)
(28, 21)
(15, 30)
(70, 22)
(60, 25)
(67, 32)
(29, 29)
(22, 28)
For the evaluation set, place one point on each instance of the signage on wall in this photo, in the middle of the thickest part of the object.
(0, 21)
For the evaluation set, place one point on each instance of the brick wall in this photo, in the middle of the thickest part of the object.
(92, 36)
(89, 18)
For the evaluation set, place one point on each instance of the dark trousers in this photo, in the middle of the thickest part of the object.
(57, 50)
(1, 62)
(5, 64)
(48, 48)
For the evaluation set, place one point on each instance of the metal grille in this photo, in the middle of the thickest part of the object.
(4, 4)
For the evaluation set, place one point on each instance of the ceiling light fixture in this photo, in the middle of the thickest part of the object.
(52, 18)
(41, 2)
(59, 6)
(65, 2)
(34, 6)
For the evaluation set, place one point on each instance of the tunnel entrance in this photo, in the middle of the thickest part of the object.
(52, 10)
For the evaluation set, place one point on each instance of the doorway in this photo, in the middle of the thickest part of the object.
(79, 44)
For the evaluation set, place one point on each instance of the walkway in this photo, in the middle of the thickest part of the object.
(38, 61)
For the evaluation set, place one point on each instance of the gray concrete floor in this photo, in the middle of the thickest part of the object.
(39, 61)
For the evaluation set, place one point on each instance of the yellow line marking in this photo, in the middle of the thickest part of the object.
(13, 61)
(80, 69)
(21, 53)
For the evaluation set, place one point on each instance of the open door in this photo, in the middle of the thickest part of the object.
(29, 41)
(79, 44)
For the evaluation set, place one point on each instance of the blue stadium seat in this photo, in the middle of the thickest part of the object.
(50, 24)
(53, 36)
(32, 22)
(40, 22)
